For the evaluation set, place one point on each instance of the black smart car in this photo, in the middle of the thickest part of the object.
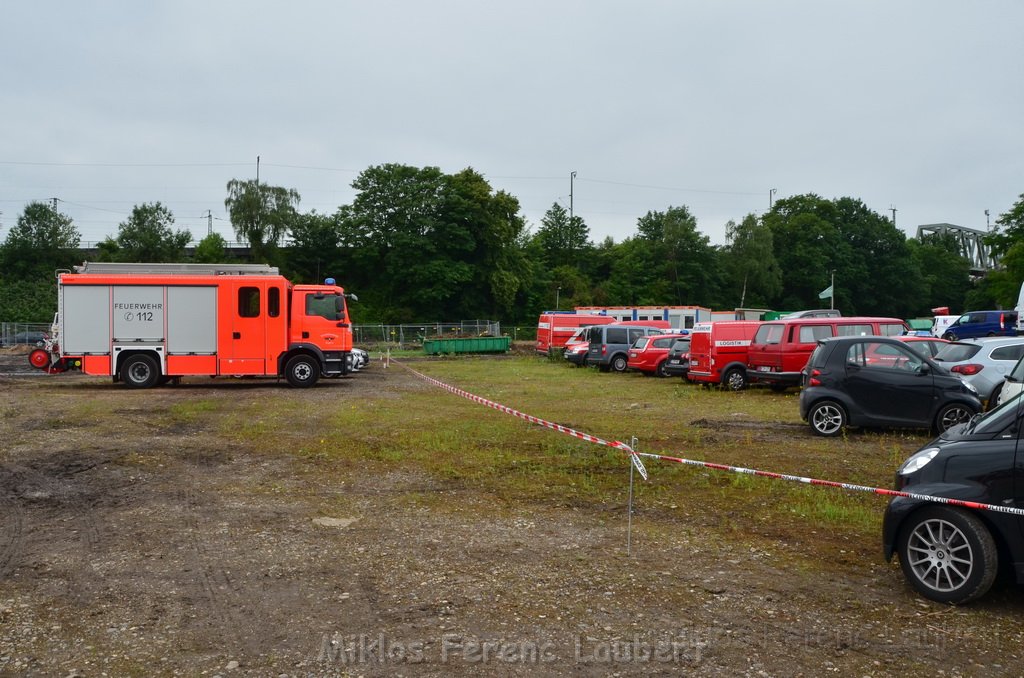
(879, 381)
(950, 553)
(677, 364)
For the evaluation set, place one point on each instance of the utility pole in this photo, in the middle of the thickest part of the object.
(771, 194)
(209, 222)
(259, 202)
(988, 227)
(572, 180)
(893, 210)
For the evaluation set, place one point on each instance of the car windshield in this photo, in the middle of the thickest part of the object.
(999, 419)
(681, 346)
(955, 352)
(768, 334)
(577, 335)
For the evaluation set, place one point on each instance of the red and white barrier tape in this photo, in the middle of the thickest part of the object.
(704, 464)
(516, 413)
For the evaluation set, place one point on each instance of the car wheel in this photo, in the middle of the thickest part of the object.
(947, 554)
(951, 415)
(302, 371)
(827, 418)
(735, 379)
(140, 371)
(949, 336)
(659, 371)
(619, 363)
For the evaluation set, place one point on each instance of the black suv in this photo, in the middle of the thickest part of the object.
(880, 381)
(949, 553)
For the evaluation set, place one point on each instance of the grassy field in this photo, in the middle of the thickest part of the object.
(194, 516)
(461, 442)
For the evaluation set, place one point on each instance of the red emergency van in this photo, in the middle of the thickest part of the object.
(554, 328)
(144, 324)
(718, 352)
(780, 348)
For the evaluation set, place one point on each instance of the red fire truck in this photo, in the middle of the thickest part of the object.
(145, 324)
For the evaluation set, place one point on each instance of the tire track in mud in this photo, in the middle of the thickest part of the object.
(12, 538)
(215, 585)
(34, 494)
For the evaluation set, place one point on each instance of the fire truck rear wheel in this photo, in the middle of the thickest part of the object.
(302, 370)
(140, 371)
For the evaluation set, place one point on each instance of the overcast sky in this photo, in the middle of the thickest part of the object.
(917, 105)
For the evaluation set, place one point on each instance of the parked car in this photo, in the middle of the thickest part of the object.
(814, 313)
(609, 344)
(649, 354)
(677, 364)
(982, 324)
(1013, 383)
(36, 339)
(879, 381)
(941, 323)
(357, 359)
(928, 346)
(950, 554)
(577, 353)
(780, 349)
(983, 362)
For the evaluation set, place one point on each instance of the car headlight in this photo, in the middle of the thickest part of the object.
(918, 461)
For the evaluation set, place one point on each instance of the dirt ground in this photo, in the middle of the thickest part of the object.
(169, 550)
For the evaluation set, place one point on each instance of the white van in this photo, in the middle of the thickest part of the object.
(941, 322)
(1020, 310)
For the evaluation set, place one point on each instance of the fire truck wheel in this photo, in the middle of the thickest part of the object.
(302, 370)
(140, 371)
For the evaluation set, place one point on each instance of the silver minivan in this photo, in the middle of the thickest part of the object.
(609, 344)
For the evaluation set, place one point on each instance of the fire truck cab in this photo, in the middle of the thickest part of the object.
(144, 324)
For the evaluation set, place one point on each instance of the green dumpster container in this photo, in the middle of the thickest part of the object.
(469, 345)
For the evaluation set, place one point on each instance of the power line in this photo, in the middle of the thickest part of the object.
(121, 164)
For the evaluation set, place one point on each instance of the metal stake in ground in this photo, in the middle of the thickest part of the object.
(635, 463)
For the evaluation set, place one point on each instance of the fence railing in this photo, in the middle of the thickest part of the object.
(22, 334)
(363, 334)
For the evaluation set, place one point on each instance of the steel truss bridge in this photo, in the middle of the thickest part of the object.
(970, 241)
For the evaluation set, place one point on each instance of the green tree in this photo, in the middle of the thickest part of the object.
(42, 241)
(147, 236)
(564, 240)
(261, 215)
(752, 272)
(211, 250)
(874, 273)
(1001, 288)
(315, 252)
(945, 272)
(680, 263)
(1009, 229)
(427, 245)
(28, 301)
